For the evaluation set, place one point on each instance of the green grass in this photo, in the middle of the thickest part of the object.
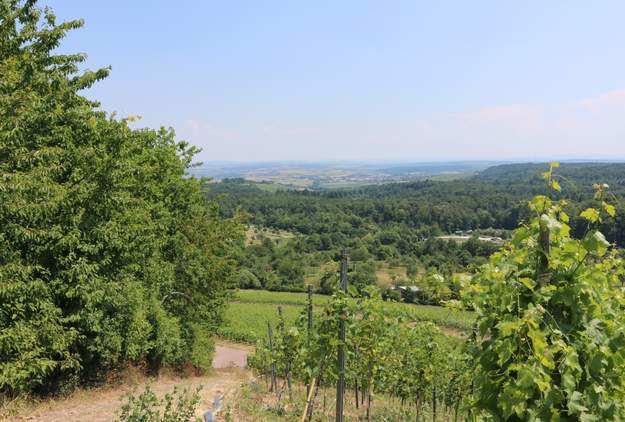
(278, 298)
(247, 322)
(246, 318)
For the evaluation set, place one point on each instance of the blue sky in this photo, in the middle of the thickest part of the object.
(361, 80)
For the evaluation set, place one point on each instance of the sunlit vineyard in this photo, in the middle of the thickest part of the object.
(294, 250)
(387, 359)
(246, 318)
(247, 322)
(278, 298)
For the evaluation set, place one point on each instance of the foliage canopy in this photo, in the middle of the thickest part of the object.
(550, 328)
(108, 253)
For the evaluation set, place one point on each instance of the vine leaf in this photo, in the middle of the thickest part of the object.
(596, 242)
(590, 214)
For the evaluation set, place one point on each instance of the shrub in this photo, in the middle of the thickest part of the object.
(177, 406)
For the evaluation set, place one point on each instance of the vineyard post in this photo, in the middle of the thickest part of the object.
(434, 403)
(340, 386)
(274, 382)
(310, 316)
(356, 378)
(285, 337)
(310, 326)
(543, 263)
(280, 319)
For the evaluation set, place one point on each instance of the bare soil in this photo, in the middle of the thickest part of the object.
(230, 355)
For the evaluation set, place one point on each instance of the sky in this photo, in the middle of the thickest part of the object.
(364, 80)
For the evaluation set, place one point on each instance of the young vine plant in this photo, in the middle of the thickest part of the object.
(386, 356)
(550, 334)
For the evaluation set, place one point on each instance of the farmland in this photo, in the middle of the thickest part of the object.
(246, 317)
(337, 175)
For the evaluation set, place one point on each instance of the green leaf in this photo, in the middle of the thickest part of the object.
(508, 327)
(576, 404)
(590, 214)
(595, 241)
(527, 282)
(609, 209)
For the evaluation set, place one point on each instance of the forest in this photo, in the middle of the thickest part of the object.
(400, 225)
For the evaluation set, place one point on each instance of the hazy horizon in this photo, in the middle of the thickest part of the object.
(416, 161)
(410, 81)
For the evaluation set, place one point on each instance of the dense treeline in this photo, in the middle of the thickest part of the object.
(496, 198)
(399, 223)
(108, 254)
(287, 264)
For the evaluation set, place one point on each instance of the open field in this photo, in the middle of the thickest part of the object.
(246, 318)
(254, 234)
(387, 275)
(247, 322)
(338, 175)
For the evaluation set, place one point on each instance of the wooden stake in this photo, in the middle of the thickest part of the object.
(308, 399)
(340, 385)
(274, 383)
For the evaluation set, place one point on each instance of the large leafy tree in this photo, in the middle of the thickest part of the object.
(550, 339)
(108, 253)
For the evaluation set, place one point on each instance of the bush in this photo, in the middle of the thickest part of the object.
(247, 280)
(391, 294)
(177, 406)
(109, 253)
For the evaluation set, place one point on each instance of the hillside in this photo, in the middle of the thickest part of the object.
(133, 289)
(402, 226)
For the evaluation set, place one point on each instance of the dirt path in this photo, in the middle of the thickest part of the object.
(101, 404)
(229, 355)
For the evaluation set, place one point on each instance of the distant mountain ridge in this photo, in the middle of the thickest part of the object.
(574, 175)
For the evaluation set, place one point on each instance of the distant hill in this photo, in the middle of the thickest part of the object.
(574, 177)
(333, 175)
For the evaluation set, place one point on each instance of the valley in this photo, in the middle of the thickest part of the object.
(272, 238)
